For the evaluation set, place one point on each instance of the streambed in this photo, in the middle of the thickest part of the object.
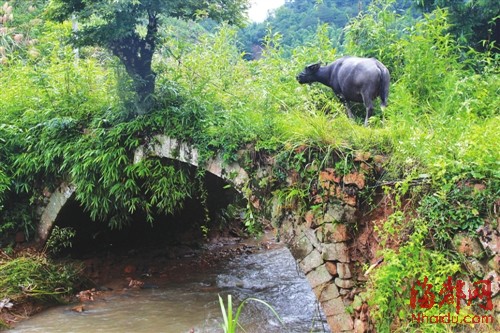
(191, 304)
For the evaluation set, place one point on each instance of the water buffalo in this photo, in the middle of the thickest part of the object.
(352, 79)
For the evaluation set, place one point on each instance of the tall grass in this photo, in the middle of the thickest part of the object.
(231, 319)
(34, 277)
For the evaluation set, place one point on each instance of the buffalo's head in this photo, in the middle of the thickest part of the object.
(308, 75)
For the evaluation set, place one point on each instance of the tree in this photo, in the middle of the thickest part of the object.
(128, 28)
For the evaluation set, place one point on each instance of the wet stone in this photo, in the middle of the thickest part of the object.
(311, 261)
(335, 251)
(494, 263)
(357, 303)
(310, 219)
(355, 178)
(301, 248)
(360, 326)
(335, 232)
(343, 271)
(344, 292)
(346, 300)
(467, 246)
(475, 266)
(334, 213)
(331, 268)
(345, 284)
(318, 276)
(311, 236)
(329, 292)
(340, 323)
(333, 307)
(495, 282)
(350, 214)
(490, 239)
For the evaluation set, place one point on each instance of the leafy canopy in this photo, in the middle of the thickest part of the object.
(129, 29)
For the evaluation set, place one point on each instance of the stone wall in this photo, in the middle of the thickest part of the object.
(323, 240)
(321, 245)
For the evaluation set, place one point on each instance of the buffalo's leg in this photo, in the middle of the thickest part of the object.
(367, 101)
(369, 111)
(348, 110)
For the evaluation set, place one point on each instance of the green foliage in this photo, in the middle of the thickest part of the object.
(433, 131)
(473, 23)
(390, 286)
(69, 125)
(20, 29)
(59, 239)
(35, 277)
(463, 208)
(231, 322)
(129, 29)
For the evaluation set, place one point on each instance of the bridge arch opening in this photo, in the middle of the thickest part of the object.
(180, 154)
(186, 227)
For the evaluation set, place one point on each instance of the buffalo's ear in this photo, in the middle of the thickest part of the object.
(314, 67)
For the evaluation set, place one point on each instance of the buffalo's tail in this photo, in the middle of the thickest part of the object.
(385, 79)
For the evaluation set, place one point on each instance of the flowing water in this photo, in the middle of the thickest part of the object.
(193, 306)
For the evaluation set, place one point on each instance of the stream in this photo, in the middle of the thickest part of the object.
(192, 305)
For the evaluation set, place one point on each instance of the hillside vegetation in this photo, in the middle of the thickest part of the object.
(71, 118)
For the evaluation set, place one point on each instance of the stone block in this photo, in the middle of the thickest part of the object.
(357, 303)
(328, 292)
(318, 276)
(311, 236)
(328, 175)
(494, 263)
(311, 261)
(468, 246)
(335, 252)
(343, 271)
(495, 282)
(360, 326)
(287, 223)
(335, 233)
(310, 219)
(301, 248)
(355, 178)
(475, 267)
(344, 292)
(331, 268)
(51, 211)
(340, 323)
(334, 213)
(333, 307)
(320, 235)
(362, 156)
(350, 199)
(350, 214)
(490, 239)
(344, 284)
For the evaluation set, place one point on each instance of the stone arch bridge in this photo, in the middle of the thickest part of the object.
(323, 243)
